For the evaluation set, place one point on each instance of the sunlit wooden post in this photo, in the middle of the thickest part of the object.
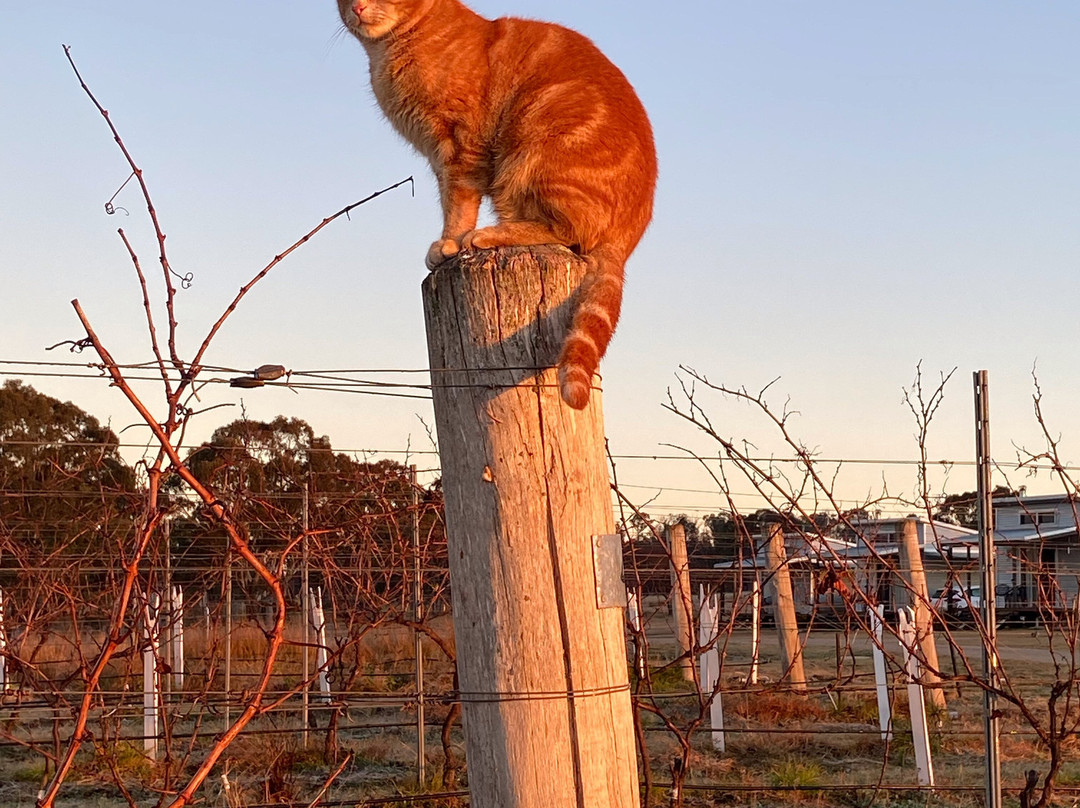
(541, 666)
(911, 563)
(787, 628)
(682, 604)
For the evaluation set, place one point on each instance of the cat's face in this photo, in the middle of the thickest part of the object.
(373, 19)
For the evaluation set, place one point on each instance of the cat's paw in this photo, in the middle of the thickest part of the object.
(479, 239)
(441, 250)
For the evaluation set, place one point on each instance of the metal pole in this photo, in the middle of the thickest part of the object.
(228, 637)
(169, 605)
(305, 610)
(3, 648)
(418, 615)
(988, 570)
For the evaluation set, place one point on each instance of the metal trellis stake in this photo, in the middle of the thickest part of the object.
(3, 647)
(988, 570)
(418, 615)
(305, 610)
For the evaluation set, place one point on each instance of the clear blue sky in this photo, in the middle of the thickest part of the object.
(847, 188)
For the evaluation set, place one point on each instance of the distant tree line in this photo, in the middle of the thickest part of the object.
(69, 501)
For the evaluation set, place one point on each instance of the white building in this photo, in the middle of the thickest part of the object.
(1038, 549)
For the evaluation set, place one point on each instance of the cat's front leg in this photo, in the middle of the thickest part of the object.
(461, 208)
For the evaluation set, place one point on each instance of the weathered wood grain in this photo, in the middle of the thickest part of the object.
(542, 670)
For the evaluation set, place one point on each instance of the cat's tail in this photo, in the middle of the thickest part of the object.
(599, 301)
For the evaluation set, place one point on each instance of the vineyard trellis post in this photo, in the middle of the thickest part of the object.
(633, 616)
(787, 628)
(418, 639)
(542, 663)
(305, 611)
(317, 621)
(755, 631)
(682, 605)
(708, 635)
(176, 637)
(3, 647)
(151, 680)
(881, 675)
(227, 694)
(918, 594)
(913, 668)
(988, 570)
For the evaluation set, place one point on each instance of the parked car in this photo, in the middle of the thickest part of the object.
(957, 598)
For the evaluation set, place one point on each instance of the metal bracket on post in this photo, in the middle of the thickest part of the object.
(608, 567)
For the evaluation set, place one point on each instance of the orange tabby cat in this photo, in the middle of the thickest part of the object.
(534, 116)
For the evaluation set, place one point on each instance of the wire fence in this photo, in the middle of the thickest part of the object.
(329, 646)
(357, 694)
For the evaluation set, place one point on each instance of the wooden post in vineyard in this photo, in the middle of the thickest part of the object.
(541, 666)
(682, 603)
(787, 628)
(911, 564)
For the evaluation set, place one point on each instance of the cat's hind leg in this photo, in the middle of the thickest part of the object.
(511, 234)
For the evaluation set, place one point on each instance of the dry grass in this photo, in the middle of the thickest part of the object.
(825, 740)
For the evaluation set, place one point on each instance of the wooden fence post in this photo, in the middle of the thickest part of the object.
(911, 562)
(787, 628)
(682, 603)
(541, 667)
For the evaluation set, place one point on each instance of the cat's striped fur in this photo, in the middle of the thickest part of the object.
(534, 116)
